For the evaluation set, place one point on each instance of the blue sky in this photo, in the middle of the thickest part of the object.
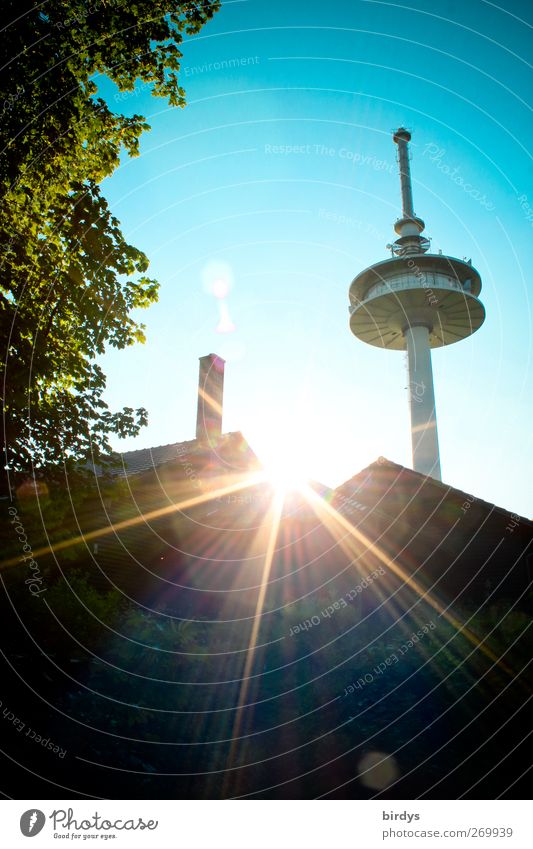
(280, 178)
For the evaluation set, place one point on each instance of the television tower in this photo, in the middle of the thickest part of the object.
(416, 301)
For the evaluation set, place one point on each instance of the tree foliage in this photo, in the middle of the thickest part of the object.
(69, 280)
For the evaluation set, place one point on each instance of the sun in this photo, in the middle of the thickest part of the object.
(286, 467)
(286, 457)
(286, 478)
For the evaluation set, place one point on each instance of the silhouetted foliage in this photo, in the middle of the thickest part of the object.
(69, 280)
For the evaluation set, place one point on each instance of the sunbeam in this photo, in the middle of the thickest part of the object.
(276, 510)
(322, 507)
(248, 481)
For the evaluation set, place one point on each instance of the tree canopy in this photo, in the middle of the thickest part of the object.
(69, 280)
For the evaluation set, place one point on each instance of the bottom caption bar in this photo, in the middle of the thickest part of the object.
(266, 824)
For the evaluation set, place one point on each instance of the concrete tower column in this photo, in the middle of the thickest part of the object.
(424, 437)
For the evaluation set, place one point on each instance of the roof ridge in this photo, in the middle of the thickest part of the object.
(172, 444)
(383, 461)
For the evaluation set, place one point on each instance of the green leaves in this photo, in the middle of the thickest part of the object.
(68, 278)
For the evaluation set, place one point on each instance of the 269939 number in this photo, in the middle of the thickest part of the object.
(491, 832)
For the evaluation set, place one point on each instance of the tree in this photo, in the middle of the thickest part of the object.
(68, 278)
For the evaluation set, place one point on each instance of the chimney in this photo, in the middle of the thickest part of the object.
(210, 399)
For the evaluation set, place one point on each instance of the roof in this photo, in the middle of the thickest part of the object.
(231, 450)
(387, 475)
(450, 540)
(143, 459)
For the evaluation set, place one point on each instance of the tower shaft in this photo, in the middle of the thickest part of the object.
(424, 438)
(405, 176)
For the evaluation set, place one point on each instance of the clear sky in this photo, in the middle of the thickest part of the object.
(279, 179)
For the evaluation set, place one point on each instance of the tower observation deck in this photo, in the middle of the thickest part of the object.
(416, 301)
